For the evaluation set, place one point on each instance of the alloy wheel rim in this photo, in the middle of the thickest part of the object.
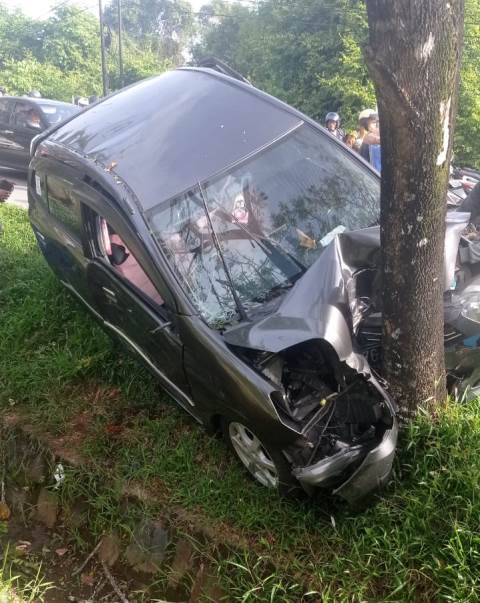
(253, 455)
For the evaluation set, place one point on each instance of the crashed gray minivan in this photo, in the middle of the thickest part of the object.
(231, 244)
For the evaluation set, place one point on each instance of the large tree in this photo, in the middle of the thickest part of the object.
(414, 55)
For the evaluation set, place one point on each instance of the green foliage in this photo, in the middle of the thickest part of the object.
(60, 56)
(467, 134)
(137, 64)
(70, 40)
(309, 53)
(15, 586)
(162, 27)
(19, 35)
(19, 77)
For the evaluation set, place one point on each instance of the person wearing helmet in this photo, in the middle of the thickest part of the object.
(332, 123)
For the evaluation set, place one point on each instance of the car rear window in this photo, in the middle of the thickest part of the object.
(54, 113)
(5, 108)
(63, 206)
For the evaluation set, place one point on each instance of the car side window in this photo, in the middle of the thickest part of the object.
(124, 263)
(63, 206)
(5, 107)
(26, 116)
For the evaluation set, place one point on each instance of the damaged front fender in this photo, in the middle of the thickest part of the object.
(329, 304)
(369, 471)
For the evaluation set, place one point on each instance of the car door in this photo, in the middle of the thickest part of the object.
(132, 308)
(25, 123)
(6, 106)
(57, 223)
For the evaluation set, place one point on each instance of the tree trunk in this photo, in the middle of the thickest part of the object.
(413, 56)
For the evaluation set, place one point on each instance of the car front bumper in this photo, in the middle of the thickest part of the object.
(371, 474)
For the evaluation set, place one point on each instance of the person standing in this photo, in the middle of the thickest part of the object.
(371, 134)
(332, 123)
(351, 139)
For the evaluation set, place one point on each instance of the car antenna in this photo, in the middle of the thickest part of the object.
(216, 242)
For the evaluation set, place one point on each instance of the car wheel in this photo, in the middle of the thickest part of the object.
(266, 464)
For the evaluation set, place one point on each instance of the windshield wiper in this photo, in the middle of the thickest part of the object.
(238, 303)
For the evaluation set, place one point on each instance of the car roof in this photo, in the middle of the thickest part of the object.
(165, 134)
(33, 99)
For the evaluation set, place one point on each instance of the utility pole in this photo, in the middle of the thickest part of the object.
(102, 49)
(120, 51)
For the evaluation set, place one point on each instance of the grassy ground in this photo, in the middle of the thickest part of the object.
(419, 542)
(29, 588)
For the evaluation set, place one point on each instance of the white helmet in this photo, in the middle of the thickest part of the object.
(366, 113)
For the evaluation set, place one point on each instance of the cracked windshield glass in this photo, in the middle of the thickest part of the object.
(268, 220)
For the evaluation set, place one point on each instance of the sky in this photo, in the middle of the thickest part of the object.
(41, 8)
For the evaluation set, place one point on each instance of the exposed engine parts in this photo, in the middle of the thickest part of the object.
(332, 406)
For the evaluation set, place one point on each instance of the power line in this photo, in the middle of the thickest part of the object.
(52, 9)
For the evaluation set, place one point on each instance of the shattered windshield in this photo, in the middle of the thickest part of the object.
(268, 220)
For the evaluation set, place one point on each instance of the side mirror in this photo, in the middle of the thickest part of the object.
(119, 254)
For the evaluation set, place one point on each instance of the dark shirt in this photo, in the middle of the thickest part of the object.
(338, 133)
(365, 151)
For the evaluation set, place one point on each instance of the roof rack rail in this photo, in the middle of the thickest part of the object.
(218, 65)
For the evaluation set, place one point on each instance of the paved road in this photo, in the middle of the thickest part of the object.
(19, 194)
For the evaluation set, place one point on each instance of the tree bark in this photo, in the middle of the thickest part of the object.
(414, 55)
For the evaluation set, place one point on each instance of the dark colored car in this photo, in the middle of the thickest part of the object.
(21, 119)
(231, 243)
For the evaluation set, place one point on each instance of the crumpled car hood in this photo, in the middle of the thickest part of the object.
(326, 303)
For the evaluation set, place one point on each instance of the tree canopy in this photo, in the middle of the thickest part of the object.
(307, 52)
(60, 55)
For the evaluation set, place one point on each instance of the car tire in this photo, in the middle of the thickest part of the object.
(265, 463)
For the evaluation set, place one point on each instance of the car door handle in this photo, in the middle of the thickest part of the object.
(161, 327)
(109, 293)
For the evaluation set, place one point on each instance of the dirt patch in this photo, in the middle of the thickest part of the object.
(165, 557)
(156, 493)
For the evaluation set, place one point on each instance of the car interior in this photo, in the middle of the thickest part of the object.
(124, 263)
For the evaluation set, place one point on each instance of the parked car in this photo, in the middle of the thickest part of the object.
(22, 118)
(231, 244)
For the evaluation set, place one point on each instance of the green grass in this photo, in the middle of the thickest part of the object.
(419, 542)
(20, 581)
